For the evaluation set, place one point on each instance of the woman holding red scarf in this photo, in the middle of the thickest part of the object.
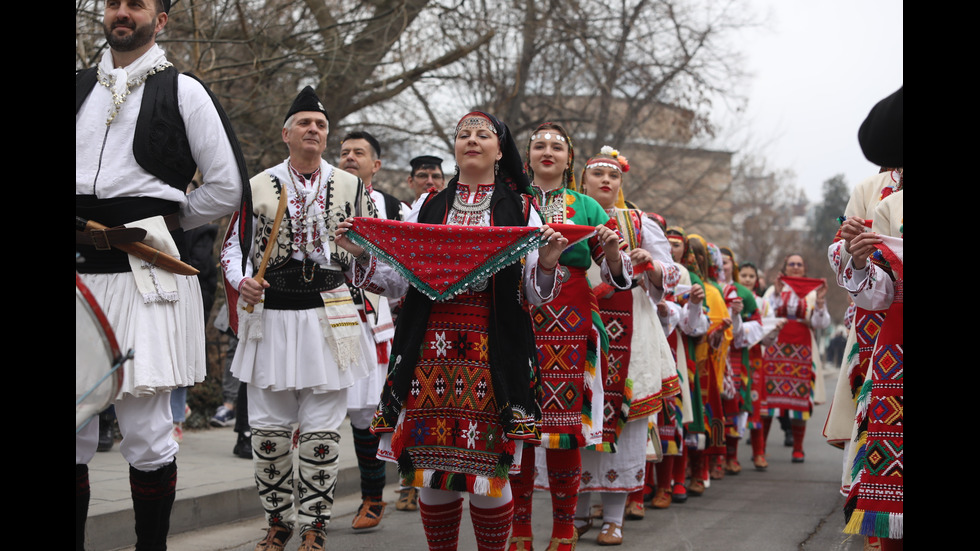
(463, 387)
(570, 339)
(790, 362)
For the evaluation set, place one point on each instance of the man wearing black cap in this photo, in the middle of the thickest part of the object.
(141, 131)
(426, 175)
(302, 345)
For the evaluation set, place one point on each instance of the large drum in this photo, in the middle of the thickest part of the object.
(98, 376)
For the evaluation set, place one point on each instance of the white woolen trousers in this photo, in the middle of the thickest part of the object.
(146, 423)
(268, 409)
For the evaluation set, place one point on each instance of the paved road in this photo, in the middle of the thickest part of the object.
(789, 507)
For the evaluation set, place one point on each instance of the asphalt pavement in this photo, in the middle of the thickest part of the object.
(787, 507)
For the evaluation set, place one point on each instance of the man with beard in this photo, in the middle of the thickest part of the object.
(141, 132)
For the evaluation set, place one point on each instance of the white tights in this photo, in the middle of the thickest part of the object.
(613, 507)
(431, 496)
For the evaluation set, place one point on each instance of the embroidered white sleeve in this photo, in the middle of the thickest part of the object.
(607, 276)
(672, 319)
(540, 288)
(871, 288)
(750, 334)
(231, 256)
(694, 322)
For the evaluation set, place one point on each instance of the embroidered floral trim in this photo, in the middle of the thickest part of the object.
(119, 96)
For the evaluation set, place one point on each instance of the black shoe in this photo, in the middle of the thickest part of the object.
(788, 439)
(243, 446)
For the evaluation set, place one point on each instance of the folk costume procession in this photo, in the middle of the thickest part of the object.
(517, 328)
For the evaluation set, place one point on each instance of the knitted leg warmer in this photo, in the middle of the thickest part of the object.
(665, 471)
(697, 465)
(492, 526)
(731, 447)
(680, 467)
(153, 498)
(799, 431)
(564, 476)
(441, 524)
(372, 469)
(758, 442)
(523, 487)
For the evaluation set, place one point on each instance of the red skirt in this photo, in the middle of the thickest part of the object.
(567, 337)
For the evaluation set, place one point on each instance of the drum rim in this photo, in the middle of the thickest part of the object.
(110, 335)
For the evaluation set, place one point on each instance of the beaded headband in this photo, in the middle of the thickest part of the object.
(474, 120)
(558, 132)
(601, 162)
(547, 136)
(609, 158)
(624, 165)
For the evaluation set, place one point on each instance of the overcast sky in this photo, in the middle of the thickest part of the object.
(817, 69)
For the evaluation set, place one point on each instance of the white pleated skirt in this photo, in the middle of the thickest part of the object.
(294, 355)
(167, 338)
(366, 392)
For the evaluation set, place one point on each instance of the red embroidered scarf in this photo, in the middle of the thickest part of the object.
(443, 260)
(802, 285)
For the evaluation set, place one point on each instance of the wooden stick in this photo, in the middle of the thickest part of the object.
(274, 236)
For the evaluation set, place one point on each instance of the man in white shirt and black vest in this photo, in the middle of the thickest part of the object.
(141, 131)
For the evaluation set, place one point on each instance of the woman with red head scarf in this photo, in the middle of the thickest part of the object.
(463, 386)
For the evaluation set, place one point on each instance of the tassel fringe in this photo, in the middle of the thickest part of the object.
(881, 525)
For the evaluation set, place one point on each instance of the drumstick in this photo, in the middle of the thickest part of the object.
(274, 236)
